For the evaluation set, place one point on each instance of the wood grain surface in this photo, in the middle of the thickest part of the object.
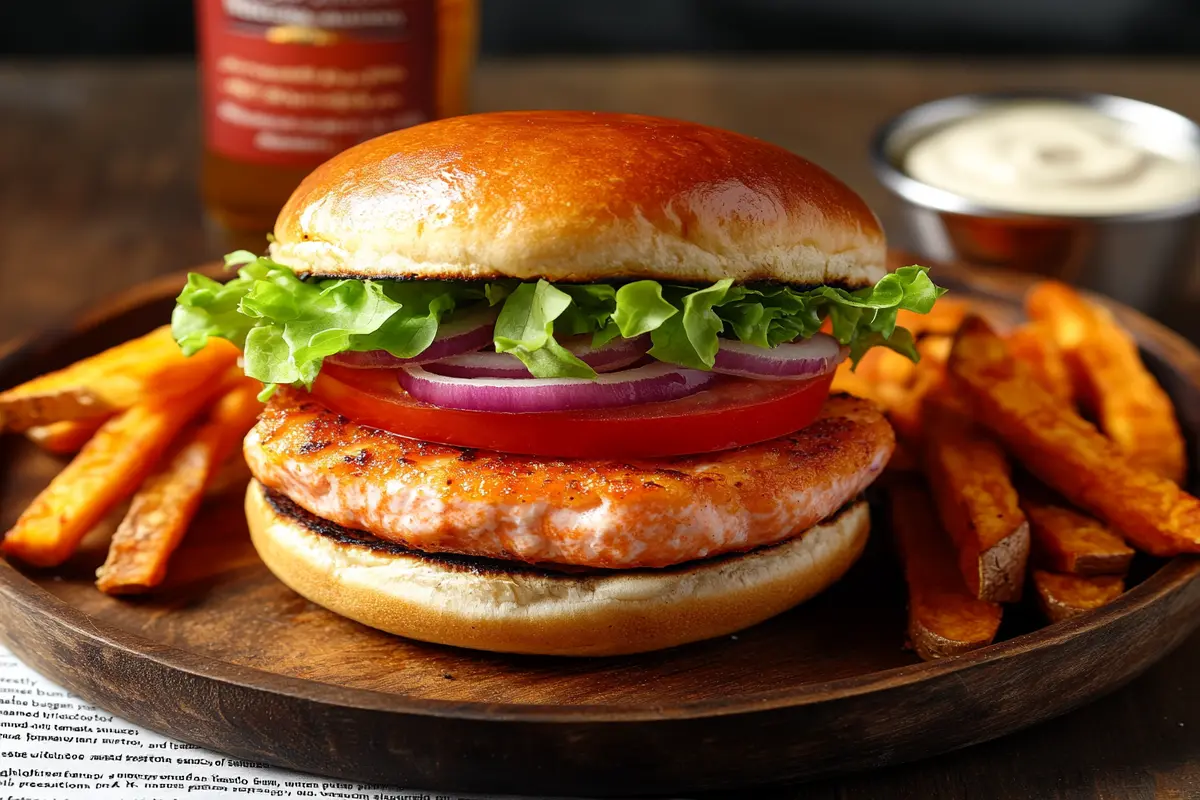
(226, 657)
(98, 192)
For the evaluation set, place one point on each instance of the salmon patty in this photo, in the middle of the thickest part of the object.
(584, 512)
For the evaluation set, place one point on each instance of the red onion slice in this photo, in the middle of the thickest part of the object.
(807, 358)
(464, 335)
(652, 383)
(615, 355)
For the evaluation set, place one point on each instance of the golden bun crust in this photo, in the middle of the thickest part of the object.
(575, 196)
(536, 612)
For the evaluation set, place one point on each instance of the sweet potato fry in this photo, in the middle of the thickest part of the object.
(972, 489)
(944, 618)
(107, 470)
(850, 382)
(883, 366)
(860, 385)
(64, 394)
(899, 391)
(1064, 596)
(164, 506)
(1034, 344)
(888, 397)
(1066, 452)
(112, 381)
(904, 412)
(1067, 541)
(942, 320)
(1110, 379)
(64, 438)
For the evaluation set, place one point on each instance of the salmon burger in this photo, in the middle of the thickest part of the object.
(558, 382)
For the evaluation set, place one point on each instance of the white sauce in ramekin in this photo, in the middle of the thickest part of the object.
(1053, 157)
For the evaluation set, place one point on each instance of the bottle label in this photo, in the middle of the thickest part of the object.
(292, 82)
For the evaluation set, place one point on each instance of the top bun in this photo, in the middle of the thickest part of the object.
(574, 196)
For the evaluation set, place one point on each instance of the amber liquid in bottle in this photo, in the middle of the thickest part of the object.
(288, 85)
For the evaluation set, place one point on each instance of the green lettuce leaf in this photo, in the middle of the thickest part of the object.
(641, 308)
(690, 339)
(287, 326)
(525, 328)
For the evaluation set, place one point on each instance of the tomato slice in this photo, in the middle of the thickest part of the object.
(732, 413)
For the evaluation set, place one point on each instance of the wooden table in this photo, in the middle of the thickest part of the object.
(98, 192)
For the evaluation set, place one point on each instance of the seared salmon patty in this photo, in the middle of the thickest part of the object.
(585, 512)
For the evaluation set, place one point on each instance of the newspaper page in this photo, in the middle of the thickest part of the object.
(54, 746)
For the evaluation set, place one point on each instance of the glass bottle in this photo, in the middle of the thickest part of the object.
(286, 84)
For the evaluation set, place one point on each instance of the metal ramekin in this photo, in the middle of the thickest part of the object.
(1142, 259)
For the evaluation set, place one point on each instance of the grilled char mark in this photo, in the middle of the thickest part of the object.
(282, 505)
(585, 512)
(843, 284)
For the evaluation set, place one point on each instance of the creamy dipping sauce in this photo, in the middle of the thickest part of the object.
(1053, 157)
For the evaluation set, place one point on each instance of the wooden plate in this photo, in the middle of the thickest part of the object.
(228, 658)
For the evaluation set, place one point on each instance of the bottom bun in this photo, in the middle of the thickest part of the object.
(517, 608)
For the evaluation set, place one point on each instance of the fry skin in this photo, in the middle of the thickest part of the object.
(107, 470)
(883, 394)
(942, 320)
(1034, 344)
(1110, 379)
(63, 394)
(67, 437)
(112, 381)
(901, 400)
(1067, 541)
(1067, 453)
(929, 378)
(1064, 596)
(944, 618)
(972, 488)
(167, 501)
(885, 367)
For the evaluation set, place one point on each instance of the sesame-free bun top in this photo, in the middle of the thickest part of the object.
(576, 196)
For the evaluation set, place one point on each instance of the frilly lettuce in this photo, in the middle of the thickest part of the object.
(287, 326)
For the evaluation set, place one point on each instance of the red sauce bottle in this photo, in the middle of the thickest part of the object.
(286, 84)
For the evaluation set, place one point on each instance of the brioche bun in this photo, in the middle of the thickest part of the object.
(574, 196)
(514, 608)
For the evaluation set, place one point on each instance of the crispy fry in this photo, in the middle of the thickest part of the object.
(112, 381)
(107, 470)
(934, 350)
(887, 367)
(64, 438)
(1110, 380)
(1067, 541)
(944, 618)
(899, 391)
(905, 415)
(1034, 344)
(860, 385)
(64, 394)
(929, 378)
(850, 382)
(942, 320)
(164, 506)
(1064, 596)
(1066, 452)
(973, 491)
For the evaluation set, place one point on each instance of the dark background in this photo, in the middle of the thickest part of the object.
(129, 28)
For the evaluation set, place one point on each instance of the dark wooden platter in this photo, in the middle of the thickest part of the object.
(228, 658)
